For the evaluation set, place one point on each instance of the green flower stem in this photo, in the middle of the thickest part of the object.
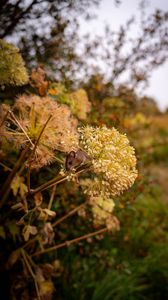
(68, 243)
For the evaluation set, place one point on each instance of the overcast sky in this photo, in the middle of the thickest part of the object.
(115, 16)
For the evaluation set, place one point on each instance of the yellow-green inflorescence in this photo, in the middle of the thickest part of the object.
(77, 101)
(12, 68)
(114, 167)
(80, 104)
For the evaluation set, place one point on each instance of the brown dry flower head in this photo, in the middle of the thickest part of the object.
(60, 133)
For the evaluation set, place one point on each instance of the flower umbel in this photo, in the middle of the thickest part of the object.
(12, 69)
(60, 133)
(77, 100)
(80, 104)
(114, 166)
(113, 158)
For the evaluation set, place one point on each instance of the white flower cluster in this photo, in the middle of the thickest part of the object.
(114, 165)
(112, 157)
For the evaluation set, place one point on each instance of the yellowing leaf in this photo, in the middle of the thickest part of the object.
(13, 258)
(33, 230)
(15, 184)
(23, 190)
(27, 230)
(46, 288)
(38, 199)
(18, 186)
(49, 212)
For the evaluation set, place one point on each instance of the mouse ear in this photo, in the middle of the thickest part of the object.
(72, 154)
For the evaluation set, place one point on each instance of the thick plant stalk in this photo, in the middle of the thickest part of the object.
(68, 243)
(57, 180)
(48, 184)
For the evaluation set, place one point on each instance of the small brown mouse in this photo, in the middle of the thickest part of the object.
(75, 159)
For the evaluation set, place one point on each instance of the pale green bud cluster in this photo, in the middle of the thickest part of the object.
(12, 68)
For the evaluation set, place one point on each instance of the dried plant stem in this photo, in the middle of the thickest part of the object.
(4, 119)
(68, 243)
(70, 213)
(73, 211)
(48, 184)
(18, 123)
(37, 238)
(41, 132)
(32, 263)
(52, 197)
(28, 180)
(55, 181)
(27, 262)
(7, 185)
(61, 161)
(5, 167)
(32, 153)
(30, 241)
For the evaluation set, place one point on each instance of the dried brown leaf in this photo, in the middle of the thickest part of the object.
(13, 258)
(49, 212)
(27, 230)
(38, 198)
(18, 186)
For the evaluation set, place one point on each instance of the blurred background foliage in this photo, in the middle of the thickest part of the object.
(132, 263)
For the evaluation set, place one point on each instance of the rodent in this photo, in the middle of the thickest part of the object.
(75, 159)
